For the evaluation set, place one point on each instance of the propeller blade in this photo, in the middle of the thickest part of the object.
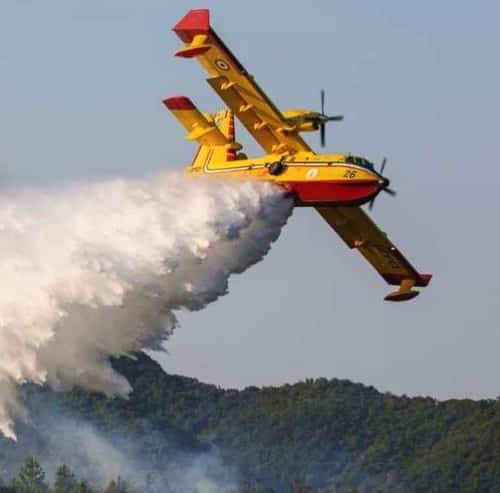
(322, 119)
(334, 118)
(386, 188)
(382, 167)
(322, 134)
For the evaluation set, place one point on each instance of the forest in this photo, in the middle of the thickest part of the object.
(318, 435)
(31, 478)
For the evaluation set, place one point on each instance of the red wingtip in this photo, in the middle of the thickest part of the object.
(179, 103)
(193, 23)
(426, 279)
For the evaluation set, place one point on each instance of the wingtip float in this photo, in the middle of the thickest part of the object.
(336, 185)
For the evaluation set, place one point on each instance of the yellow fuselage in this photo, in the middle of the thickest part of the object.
(313, 179)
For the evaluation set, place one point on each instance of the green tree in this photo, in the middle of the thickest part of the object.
(65, 481)
(83, 487)
(118, 486)
(30, 478)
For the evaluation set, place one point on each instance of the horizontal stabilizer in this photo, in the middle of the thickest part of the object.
(200, 128)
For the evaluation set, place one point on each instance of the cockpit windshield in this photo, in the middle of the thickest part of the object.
(360, 161)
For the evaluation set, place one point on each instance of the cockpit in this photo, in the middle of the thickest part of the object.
(359, 161)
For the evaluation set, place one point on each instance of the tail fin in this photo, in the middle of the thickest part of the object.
(224, 120)
(215, 133)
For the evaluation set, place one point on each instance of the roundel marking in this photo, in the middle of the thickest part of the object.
(221, 64)
(311, 174)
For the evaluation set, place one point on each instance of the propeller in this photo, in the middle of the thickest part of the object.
(382, 166)
(324, 119)
(386, 188)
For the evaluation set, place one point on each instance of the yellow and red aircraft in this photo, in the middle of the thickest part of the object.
(336, 185)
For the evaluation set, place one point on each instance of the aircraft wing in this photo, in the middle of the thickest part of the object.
(236, 86)
(359, 231)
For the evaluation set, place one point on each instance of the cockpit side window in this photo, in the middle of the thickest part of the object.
(360, 161)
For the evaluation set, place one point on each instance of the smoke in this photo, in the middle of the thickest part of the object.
(147, 454)
(92, 455)
(99, 269)
(100, 459)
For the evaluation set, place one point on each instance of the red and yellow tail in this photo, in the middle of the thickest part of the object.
(215, 133)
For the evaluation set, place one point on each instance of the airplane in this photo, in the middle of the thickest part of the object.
(336, 185)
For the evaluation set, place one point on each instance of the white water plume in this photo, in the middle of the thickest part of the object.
(98, 270)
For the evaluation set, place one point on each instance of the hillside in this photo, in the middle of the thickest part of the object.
(333, 435)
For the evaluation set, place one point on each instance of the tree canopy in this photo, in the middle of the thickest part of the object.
(332, 436)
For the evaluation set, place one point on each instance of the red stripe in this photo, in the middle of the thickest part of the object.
(179, 103)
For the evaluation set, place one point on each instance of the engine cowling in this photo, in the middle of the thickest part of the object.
(308, 126)
(303, 120)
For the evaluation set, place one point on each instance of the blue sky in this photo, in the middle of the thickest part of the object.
(81, 90)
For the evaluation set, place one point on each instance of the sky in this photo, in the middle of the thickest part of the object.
(80, 96)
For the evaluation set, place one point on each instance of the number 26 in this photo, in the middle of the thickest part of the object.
(350, 174)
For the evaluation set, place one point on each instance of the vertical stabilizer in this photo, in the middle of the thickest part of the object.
(224, 120)
(215, 133)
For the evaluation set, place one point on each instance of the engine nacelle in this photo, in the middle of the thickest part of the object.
(308, 126)
(303, 120)
(293, 114)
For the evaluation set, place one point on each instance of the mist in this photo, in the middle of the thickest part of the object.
(98, 270)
